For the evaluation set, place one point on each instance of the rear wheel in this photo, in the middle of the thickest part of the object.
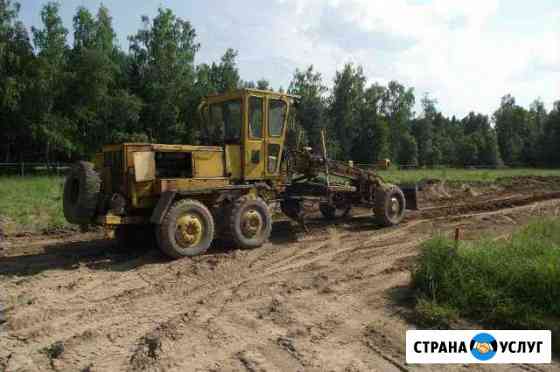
(249, 222)
(389, 206)
(187, 229)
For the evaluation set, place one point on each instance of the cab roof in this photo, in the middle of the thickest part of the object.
(238, 92)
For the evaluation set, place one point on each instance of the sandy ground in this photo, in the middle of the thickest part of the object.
(334, 299)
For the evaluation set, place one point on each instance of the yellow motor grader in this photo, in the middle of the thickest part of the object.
(188, 195)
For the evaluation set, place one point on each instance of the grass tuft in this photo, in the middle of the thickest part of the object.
(431, 314)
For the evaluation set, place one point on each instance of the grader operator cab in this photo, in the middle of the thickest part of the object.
(188, 195)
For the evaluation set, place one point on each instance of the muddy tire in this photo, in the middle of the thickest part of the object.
(187, 229)
(81, 193)
(389, 206)
(331, 212)
(249, 222)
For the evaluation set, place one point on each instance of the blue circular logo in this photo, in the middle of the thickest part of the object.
(483, 346)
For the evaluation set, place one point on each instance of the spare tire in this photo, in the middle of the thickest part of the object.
(81, 193)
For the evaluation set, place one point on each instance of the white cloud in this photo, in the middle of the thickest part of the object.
(450, 49)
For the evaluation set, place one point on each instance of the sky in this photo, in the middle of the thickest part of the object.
(466, 54)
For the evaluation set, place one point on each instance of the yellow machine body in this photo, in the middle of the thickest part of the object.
(248, 149)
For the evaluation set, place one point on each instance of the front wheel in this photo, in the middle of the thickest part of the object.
(389, 206)
(249, 222)
(187, 229)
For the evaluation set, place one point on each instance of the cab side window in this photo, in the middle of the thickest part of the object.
(276, 117)
(255, 117)
(233, 120)
(225, 122)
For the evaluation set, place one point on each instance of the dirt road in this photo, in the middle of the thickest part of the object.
(335, 299)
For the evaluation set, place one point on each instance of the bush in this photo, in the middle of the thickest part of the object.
(514, 283)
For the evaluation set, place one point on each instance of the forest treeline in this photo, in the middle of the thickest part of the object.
(61, 101)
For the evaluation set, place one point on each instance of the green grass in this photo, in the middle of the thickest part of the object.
(31, 204)
(513, 283)
(462, 175)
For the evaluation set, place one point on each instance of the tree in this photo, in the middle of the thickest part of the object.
(551, 135)
(397, 105)
(311, 107)
(408, 150)
(94, 98)
(477, 129)
(489, 154)
(263, 84)
(164, 74)
(513, 131)
(104, 32)
(372, 143)
(473, 123)
(9, 11)
(449, 135)
(84, 29)
(344, 109)
(50, 126)
(537, 117)
(219, 77)
(468, 150)
(423, 132)
(16, 61)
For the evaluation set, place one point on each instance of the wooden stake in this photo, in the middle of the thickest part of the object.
(457, 236)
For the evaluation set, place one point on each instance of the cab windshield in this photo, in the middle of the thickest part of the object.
(224, 122)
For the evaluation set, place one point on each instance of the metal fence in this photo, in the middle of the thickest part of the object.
(34, 168)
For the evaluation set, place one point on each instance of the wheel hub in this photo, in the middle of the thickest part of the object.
(394, 206)
(189, 230)
(252, 223)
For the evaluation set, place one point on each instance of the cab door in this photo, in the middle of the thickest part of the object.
(254, 149)
(276, 114)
